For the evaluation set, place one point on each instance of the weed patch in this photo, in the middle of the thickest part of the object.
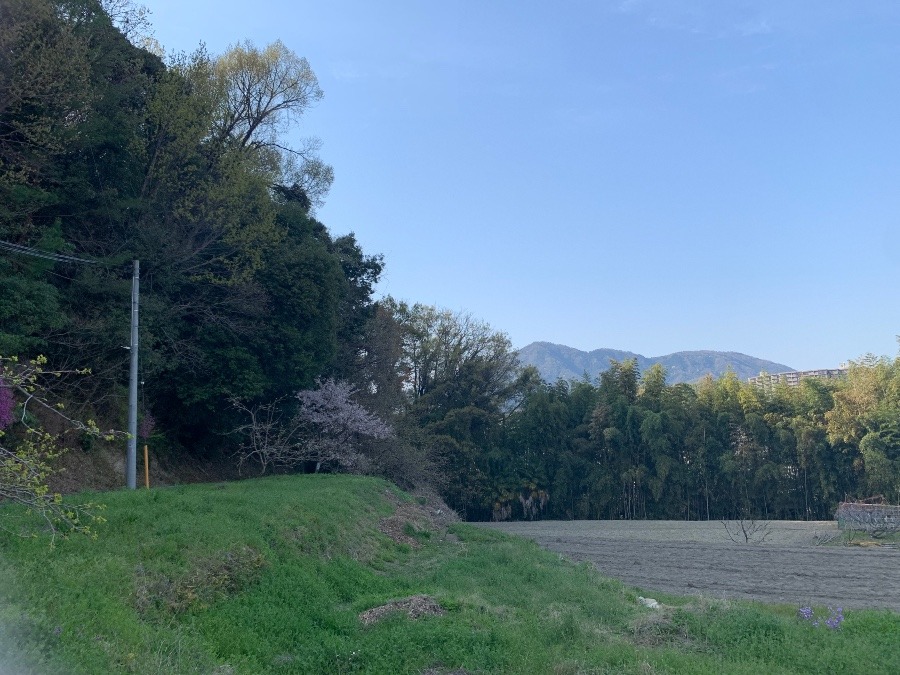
(415, 520)
(209, 579)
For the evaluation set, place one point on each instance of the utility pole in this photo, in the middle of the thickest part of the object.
(131, 454)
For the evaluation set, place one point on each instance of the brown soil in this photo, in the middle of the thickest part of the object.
(103, 468)
(782, 564)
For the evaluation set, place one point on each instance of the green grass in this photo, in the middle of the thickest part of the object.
(270, 575)
(848, 537)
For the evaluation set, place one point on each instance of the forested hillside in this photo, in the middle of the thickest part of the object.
(261, 341)
(559, 361)
(108, 155)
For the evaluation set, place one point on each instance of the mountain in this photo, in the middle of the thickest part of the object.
(555, 361)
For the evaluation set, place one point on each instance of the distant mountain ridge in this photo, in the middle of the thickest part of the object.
(554, 361)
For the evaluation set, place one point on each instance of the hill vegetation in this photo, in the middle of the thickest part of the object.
(340, 574)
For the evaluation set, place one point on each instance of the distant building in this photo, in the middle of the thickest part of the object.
(792, 379)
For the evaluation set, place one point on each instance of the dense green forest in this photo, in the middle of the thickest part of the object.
(109, 153)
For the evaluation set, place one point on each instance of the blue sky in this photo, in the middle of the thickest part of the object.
(646, 175)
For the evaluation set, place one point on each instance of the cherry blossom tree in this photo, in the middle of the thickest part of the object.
(326, 431)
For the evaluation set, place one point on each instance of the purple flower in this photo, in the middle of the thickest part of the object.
(833, 622)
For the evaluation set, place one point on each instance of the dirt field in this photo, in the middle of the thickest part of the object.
(699, 558)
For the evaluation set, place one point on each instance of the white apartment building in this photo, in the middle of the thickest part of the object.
(792, 378)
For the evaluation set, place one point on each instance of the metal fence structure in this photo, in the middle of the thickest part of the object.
(871, 515)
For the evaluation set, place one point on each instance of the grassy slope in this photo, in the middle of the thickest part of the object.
(270, 575)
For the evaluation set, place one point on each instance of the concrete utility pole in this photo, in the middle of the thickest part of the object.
(131, 454)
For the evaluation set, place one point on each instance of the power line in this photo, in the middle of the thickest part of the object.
(46, 255)
(131, 449)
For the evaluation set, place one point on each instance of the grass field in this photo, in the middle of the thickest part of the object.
(285, 575)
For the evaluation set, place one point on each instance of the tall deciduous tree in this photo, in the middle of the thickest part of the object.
(460, 375)
(453, 358)
(262, 92)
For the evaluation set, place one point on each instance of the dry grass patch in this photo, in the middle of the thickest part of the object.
(415, 606)
(221, 575)
(426, 514)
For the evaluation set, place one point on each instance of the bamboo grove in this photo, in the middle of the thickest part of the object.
(631, 446)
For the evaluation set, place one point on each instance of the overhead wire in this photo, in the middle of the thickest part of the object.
(46, 255)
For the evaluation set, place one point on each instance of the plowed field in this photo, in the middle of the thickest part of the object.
(783, 563)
